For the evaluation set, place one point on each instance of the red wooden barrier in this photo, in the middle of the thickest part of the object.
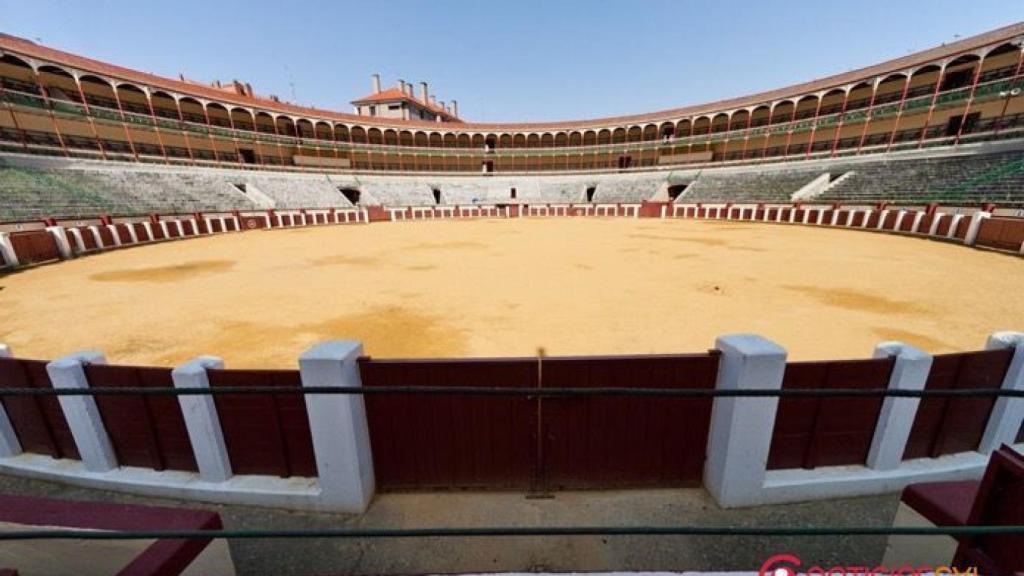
(873, 218)
(962, 226)
(146, 431)
(158, 231)
(140, 232)
(265, 434)
(907, 224)
(172, 229)
(843, 218)
(951, 425)
(890, 220)
(619, 441)
(451, 441)
(38, 421)
(123, 234)
(1002, 233)
(34, 246)
(926, 223)
(812, 432)
(106, 236)
(215, 226)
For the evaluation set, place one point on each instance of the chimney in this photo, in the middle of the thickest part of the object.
(455, 108)
(401, 86)
(376, 83)
(423, 93)
(441, 104)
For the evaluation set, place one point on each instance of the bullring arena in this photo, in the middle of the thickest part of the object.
(499, 287)
(725, 319)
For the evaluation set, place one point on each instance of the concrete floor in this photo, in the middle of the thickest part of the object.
(633, 507)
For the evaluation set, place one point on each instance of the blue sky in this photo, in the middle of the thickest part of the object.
(505, 60)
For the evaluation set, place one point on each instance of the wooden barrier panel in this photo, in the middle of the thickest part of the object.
(253, 222)
(146, 431)
(172, 229)
(38, 421)
(962, 226)
(857, 220)
(907, 224)
(621, 441)
(264, 434)
(34, 246)
(813, 432)
(140, 231)
(951, 425)
(123, 234)
(107, 236)
(843, 218)
(158, 231)
(1002, 233)
(215, 226)
(873, 219)
(452, 441)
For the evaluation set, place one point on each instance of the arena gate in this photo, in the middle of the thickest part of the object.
(527, 442)
(1002, 233)
(946, 425)
(827, 431)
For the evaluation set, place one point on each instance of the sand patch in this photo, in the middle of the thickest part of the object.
(344, 260)
(453, 245)
(172, 273)
(858, 300)
(697, 240)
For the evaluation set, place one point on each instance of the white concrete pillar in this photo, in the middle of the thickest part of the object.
(238, 223)
(9, 444)
(337, 422)
(223, 224)
(910, 372)
(916, 227)
(972, 230)
(953, 225)
(163, 227)
(148, 226)
(742, 427)
(81, 413)
(131, 232)
(95, 231)
(76, 234)
(936, 219)
(181, 229)
(792, 215)
(835, 217)
(7, 250)
(201, 419)
(899, 220)
(867, 215)
(807, 216)
(881, 220)
(1008, 413)
(114, 234)
(61, 238)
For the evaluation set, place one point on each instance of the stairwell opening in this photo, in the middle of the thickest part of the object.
(437, 195)
(590, 193)
(350, 194)
(676, 190)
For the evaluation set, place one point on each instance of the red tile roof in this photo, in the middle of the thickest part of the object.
(396, 95)
(25, 48)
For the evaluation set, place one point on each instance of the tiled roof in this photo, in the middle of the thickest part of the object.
(396, 95)
(25, 48)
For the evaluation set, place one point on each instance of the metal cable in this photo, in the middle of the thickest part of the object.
(814, 531)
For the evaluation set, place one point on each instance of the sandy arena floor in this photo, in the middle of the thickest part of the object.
(508, 287)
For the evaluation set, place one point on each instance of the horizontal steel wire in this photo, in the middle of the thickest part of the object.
(517, 391)
(812, 531)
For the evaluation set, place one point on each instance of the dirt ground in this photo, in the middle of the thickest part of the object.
(509, 287)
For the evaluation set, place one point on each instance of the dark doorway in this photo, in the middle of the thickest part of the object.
(676, 190)
(248, 156)
(488, 167)
(590, 193)
(625, 162)
(437, 195)
(350, 194)
(512, 193)
(953, 126)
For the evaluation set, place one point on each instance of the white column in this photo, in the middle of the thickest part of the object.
(972, 230)
(96, 234)
(916, 228)
(131, 232)
(149, 231)
(61, 238)
(181, 229)
(79, 246)
(337, 422)
(910, 372)
(163, 226)
(201, 419)
(114, 234)
(1007, 414)
(953, 225)
(936, 219)
(899, 220)
(835, 217)
(881, 220)
(7, 250)
(9, 444)
(82, 415)
(742, 427)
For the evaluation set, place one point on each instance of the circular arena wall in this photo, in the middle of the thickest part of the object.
(508, 287)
